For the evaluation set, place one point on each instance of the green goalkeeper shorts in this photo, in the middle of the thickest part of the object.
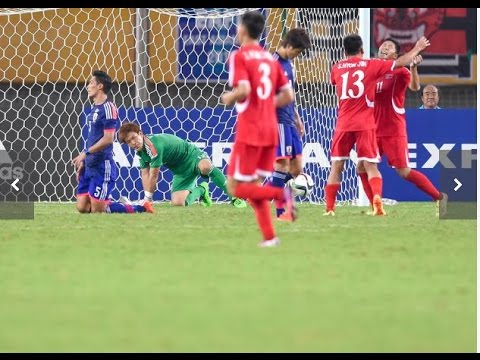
(185, 177)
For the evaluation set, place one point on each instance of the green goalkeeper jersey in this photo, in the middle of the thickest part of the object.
(168, 150)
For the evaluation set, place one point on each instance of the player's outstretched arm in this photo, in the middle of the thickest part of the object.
(415, 79)
(407, 59)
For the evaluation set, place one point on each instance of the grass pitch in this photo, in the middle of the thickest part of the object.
(193, 280)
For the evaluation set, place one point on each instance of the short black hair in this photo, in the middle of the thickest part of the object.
(254, 22)
(396, 43)
(103, 78)
(297, 38)
(352, 44)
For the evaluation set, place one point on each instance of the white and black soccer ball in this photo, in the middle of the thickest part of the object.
(302, 185)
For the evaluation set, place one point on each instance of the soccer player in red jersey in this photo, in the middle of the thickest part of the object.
(355, 80)
(391, 130)
(259, 86)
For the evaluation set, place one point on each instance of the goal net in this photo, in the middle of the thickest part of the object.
(169, 70)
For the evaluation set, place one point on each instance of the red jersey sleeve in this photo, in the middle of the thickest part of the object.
(380, 67)
(237, 71)
(404, 77)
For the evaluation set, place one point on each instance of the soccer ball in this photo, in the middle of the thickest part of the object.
(302, 185)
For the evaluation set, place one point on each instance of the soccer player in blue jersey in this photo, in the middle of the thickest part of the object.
(288, 163)
(96, 169)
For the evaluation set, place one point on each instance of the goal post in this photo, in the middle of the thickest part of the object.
(364, 29)
(169, 70)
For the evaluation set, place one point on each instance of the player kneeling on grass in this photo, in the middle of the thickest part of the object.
(185, 160)
(95, 167)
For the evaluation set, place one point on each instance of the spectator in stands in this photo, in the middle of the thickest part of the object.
(430, 97)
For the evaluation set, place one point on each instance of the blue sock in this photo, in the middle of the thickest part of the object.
(138, 208)
(288, 177)
(278, 180)
(116, 207)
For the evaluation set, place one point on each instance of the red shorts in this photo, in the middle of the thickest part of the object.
(343, 141)
(248, 162)
(395, 149)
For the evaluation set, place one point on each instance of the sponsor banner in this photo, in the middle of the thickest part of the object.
(431, 133)
(451, 57)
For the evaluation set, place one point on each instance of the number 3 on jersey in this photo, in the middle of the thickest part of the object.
(358, 87)
(265, 89)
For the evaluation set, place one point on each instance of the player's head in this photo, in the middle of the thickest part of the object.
(99, 82)
(251, 26)
(295, 42)
(390, 49)
(353, 45)
(131, 134)
(430, 97)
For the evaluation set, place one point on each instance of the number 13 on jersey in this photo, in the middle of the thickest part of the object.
(352, 85)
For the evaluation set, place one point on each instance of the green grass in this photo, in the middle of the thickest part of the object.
(193, 280)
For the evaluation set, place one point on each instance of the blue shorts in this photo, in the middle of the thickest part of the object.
(98, 181)
(289, 143)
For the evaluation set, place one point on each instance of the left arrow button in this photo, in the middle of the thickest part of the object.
(14, 184)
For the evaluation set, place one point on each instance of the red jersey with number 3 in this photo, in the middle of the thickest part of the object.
(257, 116)
(355, 79)
(390, 101)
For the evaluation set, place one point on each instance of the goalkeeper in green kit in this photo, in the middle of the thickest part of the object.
(186, 161)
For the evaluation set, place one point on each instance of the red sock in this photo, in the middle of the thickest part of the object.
(264, 218)
(366, 186)
(376, 184)
(331, 195)
(422, 182)
(256, 192)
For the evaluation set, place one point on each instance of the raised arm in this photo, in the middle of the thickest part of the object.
(407, 59)
(415, 78)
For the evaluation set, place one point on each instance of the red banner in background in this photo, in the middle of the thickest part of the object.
(407, 25)
(451, 56)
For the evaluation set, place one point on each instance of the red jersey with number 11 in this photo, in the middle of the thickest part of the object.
(257, 116)
(355, 80)
(390, 101)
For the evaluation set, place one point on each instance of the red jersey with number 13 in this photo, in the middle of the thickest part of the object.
(257, 117)
(390, 103)
(355, 79)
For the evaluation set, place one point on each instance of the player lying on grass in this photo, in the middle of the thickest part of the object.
(186, 161)
(391, 132)
(95, 167)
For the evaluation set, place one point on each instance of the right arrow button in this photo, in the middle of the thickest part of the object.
(459, 184)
